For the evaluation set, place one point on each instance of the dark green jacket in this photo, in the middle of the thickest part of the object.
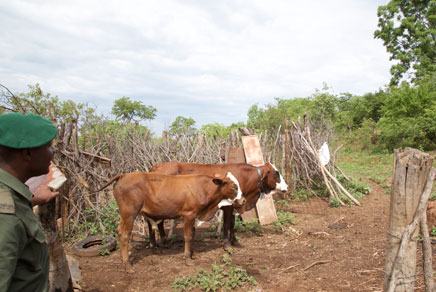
(24, 259)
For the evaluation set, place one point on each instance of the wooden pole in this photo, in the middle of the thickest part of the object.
(427, 252)
(411, 171)
(288, 156)
(59, 274)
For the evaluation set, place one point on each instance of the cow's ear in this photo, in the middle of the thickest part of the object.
(217, 181)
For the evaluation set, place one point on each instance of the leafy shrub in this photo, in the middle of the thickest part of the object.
(409, 117)
(301, 195)
(94, 222)
(334, 203)
(224, 276)
(283, 219)
(433, 232)
(246, 226)
(282, 204)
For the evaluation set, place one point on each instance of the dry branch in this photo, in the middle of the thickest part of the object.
(315, 263)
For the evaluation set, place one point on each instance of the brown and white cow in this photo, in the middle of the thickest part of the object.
(158, 196)
(253, 181)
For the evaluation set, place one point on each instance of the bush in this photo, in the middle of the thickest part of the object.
(246, 226)
(409, 117)
(283, 219)
(96, 222)
(224, 276)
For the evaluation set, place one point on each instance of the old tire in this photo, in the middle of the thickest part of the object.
(94, 246)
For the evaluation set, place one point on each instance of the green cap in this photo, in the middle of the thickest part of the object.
(21, 131)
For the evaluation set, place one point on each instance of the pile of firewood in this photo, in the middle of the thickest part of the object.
(306, 166)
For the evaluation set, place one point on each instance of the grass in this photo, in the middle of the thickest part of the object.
(247, 226)
(364, 164)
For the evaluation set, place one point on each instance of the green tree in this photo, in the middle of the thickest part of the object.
(409, 117)
(128, 110)
(354, 110)
(183, 126)
(408, 30)
(38, 102)
(272, 116)
(324, 107)
(218, 130)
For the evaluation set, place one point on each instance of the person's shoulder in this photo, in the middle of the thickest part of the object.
(7, 204)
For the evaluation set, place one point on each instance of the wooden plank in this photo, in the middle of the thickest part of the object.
(252, 149)
(236, 155)
(265, 209)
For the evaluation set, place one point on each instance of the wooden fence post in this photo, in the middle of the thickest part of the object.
(411, 171)
(288, 148)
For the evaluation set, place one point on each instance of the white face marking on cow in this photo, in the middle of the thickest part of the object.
(225, 202)
(233, 178)
(218, 217)
(282, 186)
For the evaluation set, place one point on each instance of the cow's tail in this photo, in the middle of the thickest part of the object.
(109, 182)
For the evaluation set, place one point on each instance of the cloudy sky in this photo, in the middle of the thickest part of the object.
(203, 59)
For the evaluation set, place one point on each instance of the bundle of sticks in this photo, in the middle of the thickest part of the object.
(306, 164)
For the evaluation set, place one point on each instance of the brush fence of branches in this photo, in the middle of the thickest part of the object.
(135, 151)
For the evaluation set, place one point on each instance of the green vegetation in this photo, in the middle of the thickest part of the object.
(220, 277)
(283, 219)
(183, 126)
(408, 31)
(433, 196)
(358, 164)
(246, 226)
(103, 222)
(128, 110)
(370, 126)
(302, 195)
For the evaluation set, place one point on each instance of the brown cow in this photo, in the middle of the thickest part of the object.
(253, 181)
(160, 196)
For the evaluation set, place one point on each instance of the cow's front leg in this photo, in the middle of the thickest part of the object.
(151, 235)
(227, 210)
(233, 239)
(188, 233)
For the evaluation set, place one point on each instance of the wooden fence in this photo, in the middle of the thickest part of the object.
(85, 161)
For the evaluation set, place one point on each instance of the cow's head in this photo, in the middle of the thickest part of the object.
(230, 189)
(272, 180)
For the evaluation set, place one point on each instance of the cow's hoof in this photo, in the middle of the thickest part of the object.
(189, 262)
(130, 269)
(165, 244)
(236, 243)
(155, 250)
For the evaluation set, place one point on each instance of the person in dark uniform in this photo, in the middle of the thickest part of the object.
(25, 151)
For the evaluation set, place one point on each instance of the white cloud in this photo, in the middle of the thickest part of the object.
(209, 60)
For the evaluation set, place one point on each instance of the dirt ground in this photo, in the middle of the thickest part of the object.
(328, 249)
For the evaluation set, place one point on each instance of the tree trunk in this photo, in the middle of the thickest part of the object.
(411, 170)
(59, 276)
